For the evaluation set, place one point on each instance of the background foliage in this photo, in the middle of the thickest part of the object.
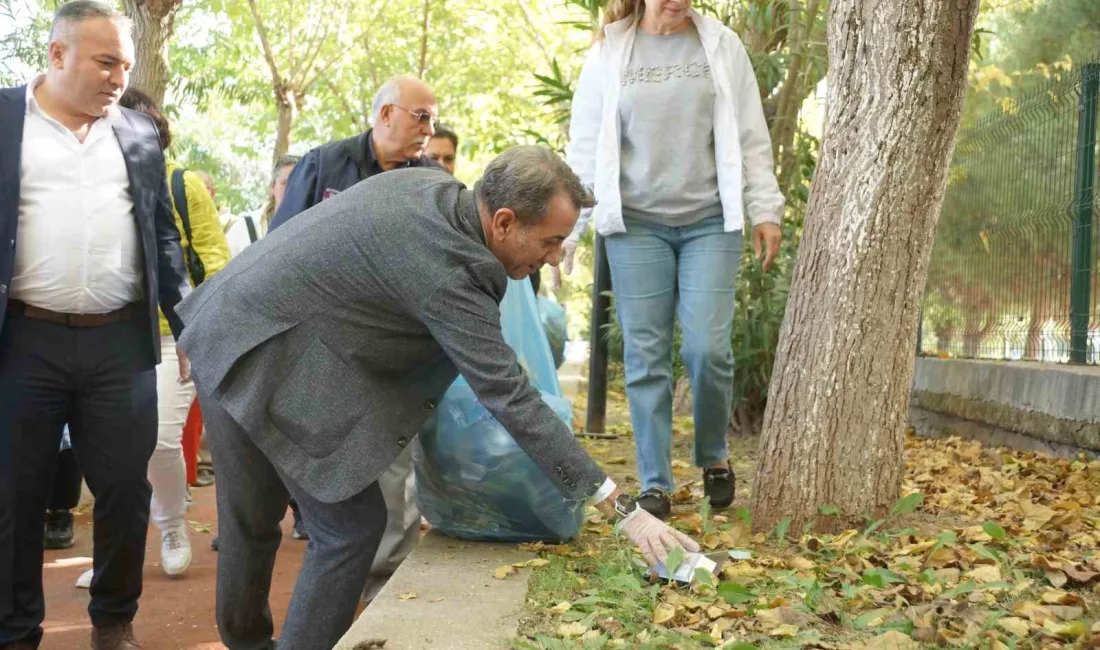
(503, 73)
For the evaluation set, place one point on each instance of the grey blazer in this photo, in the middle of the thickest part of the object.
(330, 340)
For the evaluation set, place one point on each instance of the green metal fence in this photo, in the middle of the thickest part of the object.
(1014, 270)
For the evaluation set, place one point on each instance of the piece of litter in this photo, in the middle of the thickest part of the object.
(686, 571)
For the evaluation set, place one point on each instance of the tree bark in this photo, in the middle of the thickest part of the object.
(834, 429)
(153, 23)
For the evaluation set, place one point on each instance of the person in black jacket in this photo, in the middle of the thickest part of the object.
(404, 119)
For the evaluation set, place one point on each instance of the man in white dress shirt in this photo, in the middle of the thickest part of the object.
(88, 247)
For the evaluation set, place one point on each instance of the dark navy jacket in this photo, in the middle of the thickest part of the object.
(329, 170)
(165, 273)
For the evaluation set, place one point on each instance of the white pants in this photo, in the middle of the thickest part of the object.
(402, 523)
(167, 472)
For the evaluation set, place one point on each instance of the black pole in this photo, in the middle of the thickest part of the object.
(920, 331)
(596, 417)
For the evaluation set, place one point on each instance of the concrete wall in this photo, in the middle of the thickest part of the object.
(1049, 407)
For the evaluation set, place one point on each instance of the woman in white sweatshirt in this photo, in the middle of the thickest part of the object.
(668, 130)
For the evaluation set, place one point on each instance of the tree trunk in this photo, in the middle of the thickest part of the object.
(288, 112)
(153, 21)
(834, 429)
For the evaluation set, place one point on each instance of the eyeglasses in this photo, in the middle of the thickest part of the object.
(424, 118)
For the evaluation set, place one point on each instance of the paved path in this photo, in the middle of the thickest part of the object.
(174, 614)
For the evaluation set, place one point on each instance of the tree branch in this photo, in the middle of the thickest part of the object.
(276, 78)
(349, 110)
(312, 50)
(424, 41)
(535, 33)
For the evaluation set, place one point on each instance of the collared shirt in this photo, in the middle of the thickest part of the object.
(78, 250)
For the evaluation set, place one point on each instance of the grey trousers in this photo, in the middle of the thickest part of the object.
(252, 499)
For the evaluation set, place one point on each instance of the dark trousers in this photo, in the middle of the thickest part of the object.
(101, 380)
(65, 494)
(252, 500)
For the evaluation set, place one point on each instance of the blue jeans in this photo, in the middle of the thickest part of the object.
(690, 272)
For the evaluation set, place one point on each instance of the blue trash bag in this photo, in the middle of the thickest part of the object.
(473, 480)
(556, 324)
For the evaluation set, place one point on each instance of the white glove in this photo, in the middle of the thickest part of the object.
(568, 252)
(654, 537)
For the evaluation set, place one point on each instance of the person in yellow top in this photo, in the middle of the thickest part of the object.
(175, 391)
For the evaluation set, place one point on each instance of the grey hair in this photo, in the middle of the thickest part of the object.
(524, 179)
(389, 93)
(73, 13)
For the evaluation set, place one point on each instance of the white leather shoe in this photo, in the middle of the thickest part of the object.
(175, 551)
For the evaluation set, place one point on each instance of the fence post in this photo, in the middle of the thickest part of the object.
(596, 414)
(920, 327)
(1081, 277)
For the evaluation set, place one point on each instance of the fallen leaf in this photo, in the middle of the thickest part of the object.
(1061, 598)
(772, 618)
(985, 574)
(408, 595)
(1015, 626)
(437, 599)
(1067, 613)
(562, 607)
(1080, 576)
(683, 495)
(800, 563)
(1069, 631)
(1033, 612)
(784, 631)
(1056, 578)
(503, 572)
(533, 564)
(570, 630)
(1035, 516)
(663, 613)
(892, 640)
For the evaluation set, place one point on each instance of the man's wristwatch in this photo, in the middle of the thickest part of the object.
(625, 504)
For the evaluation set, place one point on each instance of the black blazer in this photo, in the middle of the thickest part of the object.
(165, 273)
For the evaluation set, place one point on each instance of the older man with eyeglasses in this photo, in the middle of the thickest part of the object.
(404, 118)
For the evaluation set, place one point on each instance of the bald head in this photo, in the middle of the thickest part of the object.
(399, 90)
(404, 113)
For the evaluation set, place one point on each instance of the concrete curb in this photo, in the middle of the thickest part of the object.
(459, 605)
